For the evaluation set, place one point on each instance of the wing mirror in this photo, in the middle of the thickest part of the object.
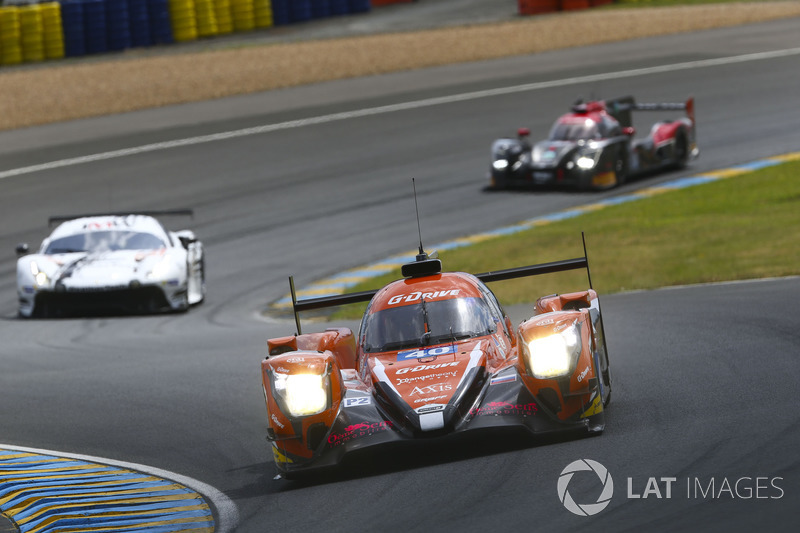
(523, 132)
(186, 241)
(22, 248)
(630, 131)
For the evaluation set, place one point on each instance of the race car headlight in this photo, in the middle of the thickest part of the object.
(553, 355)
(588, 159)
(303, 394)
(500, 164)
(38, 276)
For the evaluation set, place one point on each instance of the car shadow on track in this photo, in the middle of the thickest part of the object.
(397, 457)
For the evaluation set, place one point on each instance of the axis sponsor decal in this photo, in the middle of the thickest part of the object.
(431, 389)
(417, 296)
(427, 352)
(357, 431)
(506, 409)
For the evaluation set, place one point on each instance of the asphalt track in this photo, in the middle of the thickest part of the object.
(705, 378)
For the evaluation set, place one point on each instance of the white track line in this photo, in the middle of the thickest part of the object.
(226, 509)
(405, 106)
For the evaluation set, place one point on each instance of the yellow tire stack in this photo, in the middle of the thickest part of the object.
(53, 30)
(222, 9)
(30, 21)
(206, 18)
(263, 13)
(10, 36)
(243, 15)
(184, 20)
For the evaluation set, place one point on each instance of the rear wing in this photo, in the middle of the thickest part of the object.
(622, 108)
(324, 302)
(169, 212)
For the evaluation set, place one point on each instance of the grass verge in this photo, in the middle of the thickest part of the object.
(738, 228)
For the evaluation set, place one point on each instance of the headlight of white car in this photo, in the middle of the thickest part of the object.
(553, 355)
(302, 394)
(39, 276)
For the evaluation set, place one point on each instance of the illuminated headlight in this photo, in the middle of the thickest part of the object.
(554, 355)
(39, 276)
(500, 164)
(303, 394)
(588, 159)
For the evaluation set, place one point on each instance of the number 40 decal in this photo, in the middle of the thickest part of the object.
(427, 352)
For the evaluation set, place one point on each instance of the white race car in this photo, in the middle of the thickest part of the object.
(122, 262)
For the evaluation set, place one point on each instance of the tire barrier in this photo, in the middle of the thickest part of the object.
(55, 29)
(262, 11)
(184, 20)
(206, 18)
(360, 6)
(300, 10)
(139, 21)
(118, 25)
(222, 9)
(244, 18)
(31, 33)
(10, 36)
(95, 27)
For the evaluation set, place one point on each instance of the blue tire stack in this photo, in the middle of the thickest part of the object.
(95, 26)
(280, 12)
(140, 23)
(118, 25)
(320, 9)
(359, 6)
(340, 7)
(72, 21)
(300, 10)
(160, 26)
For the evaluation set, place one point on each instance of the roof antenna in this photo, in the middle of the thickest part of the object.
(422, 256)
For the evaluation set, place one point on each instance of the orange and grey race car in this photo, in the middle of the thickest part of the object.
(435, 355)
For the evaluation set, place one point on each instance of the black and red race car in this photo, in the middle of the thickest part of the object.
(593, 147)
(435, 356)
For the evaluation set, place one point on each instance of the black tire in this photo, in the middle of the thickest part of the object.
(681, 153)
(621, 168)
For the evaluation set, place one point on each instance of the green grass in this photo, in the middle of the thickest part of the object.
(737, 228)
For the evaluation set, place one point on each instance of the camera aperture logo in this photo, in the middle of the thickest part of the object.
(585, 509)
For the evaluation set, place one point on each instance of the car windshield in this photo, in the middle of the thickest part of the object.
(447, 320)
(575, 131)
(104, 241)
